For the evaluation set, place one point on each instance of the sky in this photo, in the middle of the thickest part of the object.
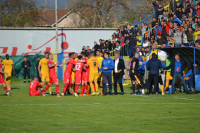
(61, 3)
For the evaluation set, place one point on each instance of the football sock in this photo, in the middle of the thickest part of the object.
(162, 88)
(7, 84)
(5, 88)
(138, 87)
(65, 88)
(134, 89)
(76, 88)
(101, 89)
(9, 81)
(167, 83)
(72, 86)
(57, 89)
(50, 89)
(42, 84)
(97, 87)
(46, 88)
(82, 88)
(92, 87)
(87, 88)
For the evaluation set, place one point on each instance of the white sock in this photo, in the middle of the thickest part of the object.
(142, 91)
(8, 93)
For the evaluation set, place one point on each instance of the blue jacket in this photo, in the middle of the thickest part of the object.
(172, 66)
(154, 65)
(109, 63)
(191, 72)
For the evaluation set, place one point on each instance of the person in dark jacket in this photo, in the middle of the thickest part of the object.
(177, 71)
(118, 73)
(190, 76)
(155, 4)
(38, 60)
(26, 66)
(133, 44)
(172, 5)
(153, 66)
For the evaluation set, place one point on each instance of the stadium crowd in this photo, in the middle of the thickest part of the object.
(93, 67)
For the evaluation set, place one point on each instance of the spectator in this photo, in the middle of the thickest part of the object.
(160, 39)
(153, 23)
(172, 5)
(182, 45)
(37, 64)
(84, 48)
(143, 51)
(179, 13)
(129, 29)
(188, 6)
(155, 4)
(121, 39)
(143, 28)
(177, 71)
(152, 43)
(133, 44)
(139, 39)
(118, 73)
(153, 66)
(146, 43)
(107, 67)
(160, 11)
(136, 30)
(165, 29)
(118, 47)
(179, 37)
(190, 34)
(88, 48)
(157, 30)
(26, 66)
(96, 46)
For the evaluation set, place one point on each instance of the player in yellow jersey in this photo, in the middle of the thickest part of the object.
(93, 64)
(8, 67)
(44, 72)
(100, 79)
(73, 77)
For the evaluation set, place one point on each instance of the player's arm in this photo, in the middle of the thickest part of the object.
(38, 83)
(3, 72)
(13, 69)
(52, 65)
(63, 63)
(133, 66)
(83, 61)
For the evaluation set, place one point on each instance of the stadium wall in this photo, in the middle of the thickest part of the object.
(30, 41)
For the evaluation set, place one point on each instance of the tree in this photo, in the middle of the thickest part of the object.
(19, 13)
(101, 13)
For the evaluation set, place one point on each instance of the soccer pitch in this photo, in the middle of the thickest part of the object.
(148, 113)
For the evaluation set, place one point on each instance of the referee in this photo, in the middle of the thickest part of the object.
(133, 73)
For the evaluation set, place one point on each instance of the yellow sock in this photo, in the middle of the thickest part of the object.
(7, 83)
(50, 89)
(167, 83)
(97, 87)
(162, 88)
(92, 87)
(101, 90)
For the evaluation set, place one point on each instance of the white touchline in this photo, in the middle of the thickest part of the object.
(99, 104)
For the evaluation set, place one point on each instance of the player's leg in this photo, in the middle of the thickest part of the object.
(77, 83)
(76, 90)
(47, 80)
(82, 88)
(8, 79)
(101, 83)
(28, 72)
(66, 81)
(57, 89)
(6, 89)
(24, 76)
(96, 84)
(91, 79)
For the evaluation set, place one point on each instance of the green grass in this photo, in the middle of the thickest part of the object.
(155, 113)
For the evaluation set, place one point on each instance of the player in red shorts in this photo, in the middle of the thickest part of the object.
(52, 75)
(33, 88)
(78, 76)
(68, 71)
(2, 81)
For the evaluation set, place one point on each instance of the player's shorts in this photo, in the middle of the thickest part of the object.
(45, 77)
(53, 79)
(67, 78)
(132, 75)
(38, 93)
(100, 77)
(93, 76)
(85, 77)
(168, 76)
(2, 81)
(78, 78)
(9, 73)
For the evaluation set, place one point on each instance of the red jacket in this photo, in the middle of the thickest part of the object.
(166, 28)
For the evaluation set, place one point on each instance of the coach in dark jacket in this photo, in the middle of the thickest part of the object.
(153, 66)
(26, 66)
(177, 71)
(118, 73)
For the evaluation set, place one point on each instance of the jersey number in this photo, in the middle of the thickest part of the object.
(78, 67)
(94, 63)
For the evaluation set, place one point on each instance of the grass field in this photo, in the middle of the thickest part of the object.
(149, 113)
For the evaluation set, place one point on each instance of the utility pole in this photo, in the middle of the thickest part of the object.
(56, 25)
